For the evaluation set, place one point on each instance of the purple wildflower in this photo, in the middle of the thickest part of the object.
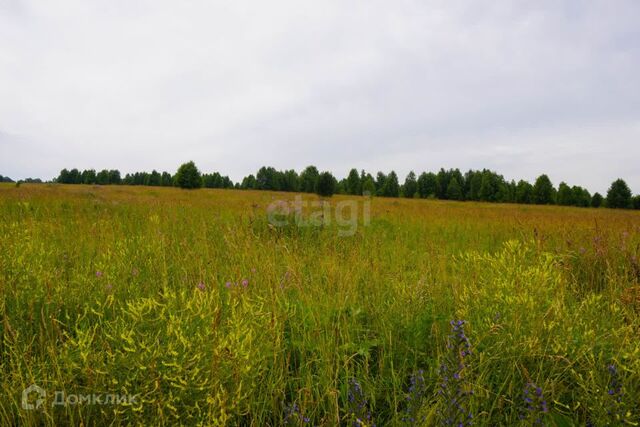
(454, 390)
(245, 283)
(415, 398)
(293, 415)
(98, 274)
(357, 405)
(201, 286)
(534, 405)
(616, 409)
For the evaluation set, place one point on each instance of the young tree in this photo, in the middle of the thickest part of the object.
(619, 195)
(410, 187)
(543, 191)
(596, 200)
(326, 185)
(188, 176)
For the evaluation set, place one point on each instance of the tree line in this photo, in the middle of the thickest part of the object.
(474, 185)
(153, 178)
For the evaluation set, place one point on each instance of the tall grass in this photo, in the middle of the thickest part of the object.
(194, 303)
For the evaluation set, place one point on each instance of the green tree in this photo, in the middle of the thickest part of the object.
(635, 201)
(391, 186)
(290, 180)
(188, 176)
(381, 179)
(155, 178)
(524, 192)
(474, 182)
(309, 179)
(565, 195)
(353, 184)
(410, 187)
(543, 191)
(326, 185)
(268, 178)
(249, 183)
(88, 176)
(442, 182)
(427, 185)
(114, 176)
(581, 197)
(103, 177)
(167, 179)
(368, 186)
(619, 195)
(488, 187)
(596, 200)
(75, 177)
(454, 191)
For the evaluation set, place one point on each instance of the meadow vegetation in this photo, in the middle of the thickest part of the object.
(431, 313)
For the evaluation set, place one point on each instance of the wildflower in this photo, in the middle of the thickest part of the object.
(454, 391)
(108, 286)
(228, 285)
(201, 286)
(615, 387)
(616, 410)
(245, 283)
(415, 398)
(293, 415)
(358, 407)
(535, 406)
(134, 272)
(98, 274)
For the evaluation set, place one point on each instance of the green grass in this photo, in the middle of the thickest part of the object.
(550, 296)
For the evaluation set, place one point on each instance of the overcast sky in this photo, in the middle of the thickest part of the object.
(520, 87)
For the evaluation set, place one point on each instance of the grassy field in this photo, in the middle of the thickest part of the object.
(157, 306)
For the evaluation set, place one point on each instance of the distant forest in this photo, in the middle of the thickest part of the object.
(474, 185)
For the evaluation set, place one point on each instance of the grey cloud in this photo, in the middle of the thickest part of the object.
(514, 86)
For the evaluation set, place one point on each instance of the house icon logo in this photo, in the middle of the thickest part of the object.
(28, 404)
